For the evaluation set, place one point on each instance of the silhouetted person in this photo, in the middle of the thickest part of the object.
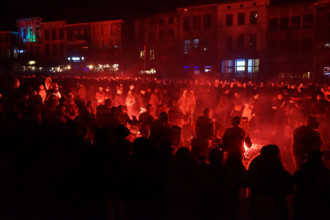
(235, 182)
(146, 118)
(312, 196)
(270, 184)
(188, 189)
(305, 140)
(205, 125)
(234, 138)
(160, 130)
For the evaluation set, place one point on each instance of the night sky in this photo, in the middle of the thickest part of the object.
(94, 10)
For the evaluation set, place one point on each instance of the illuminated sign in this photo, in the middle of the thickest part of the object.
(76, 59)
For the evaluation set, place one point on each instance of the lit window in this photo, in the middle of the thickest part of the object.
(186, 46)
(253, 17)
(196, 42)
(240, 65)
(152, 54)
(227, 66)
(197, 70)
(253, 65)
(326, 71)
(207, 69)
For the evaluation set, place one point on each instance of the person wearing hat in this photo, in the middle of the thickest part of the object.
(306, 139)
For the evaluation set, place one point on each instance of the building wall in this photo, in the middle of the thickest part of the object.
(106, 41)
(242, 37)
(29, 30)
(198, 37)
(8, 45)
(247, 38)
(156, 43)
(53, 44)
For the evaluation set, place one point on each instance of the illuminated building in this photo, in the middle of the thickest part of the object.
(58, 43)
(233, 39)
(297, 36)
(242, 37)
(106, 43)
(29, 30)
(198, 38)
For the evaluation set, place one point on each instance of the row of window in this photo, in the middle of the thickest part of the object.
(58, 34)
(143, 54)
(240, 66)
(196, 22)
(50, 50)
(54, 34)
(106, 30)
(161, 21)
(293, 23)
(54, 50)
(241, 18)
(162, 35)
(282, 47)
(195, 44)
(105, 45)
(240, 42)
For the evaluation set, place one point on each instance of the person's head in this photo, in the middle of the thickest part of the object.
(279, 96)
(108, 103)
(41, 87)
(236, 121)
(150, 108)
(100, 89)
(312, 122)
(163, 117)
(207, 112)
(270, 152)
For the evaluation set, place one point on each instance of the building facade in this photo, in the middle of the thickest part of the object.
(84, 46)
(157, 44)
(242, 37)
(229, 39)
(247, 38)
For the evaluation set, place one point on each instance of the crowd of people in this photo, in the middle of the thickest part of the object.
(77, 147)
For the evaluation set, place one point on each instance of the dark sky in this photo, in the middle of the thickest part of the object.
(84, 11)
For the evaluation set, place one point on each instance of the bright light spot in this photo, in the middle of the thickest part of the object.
(69, 58)
(82, 58)
(90, 67)
(32, 62)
